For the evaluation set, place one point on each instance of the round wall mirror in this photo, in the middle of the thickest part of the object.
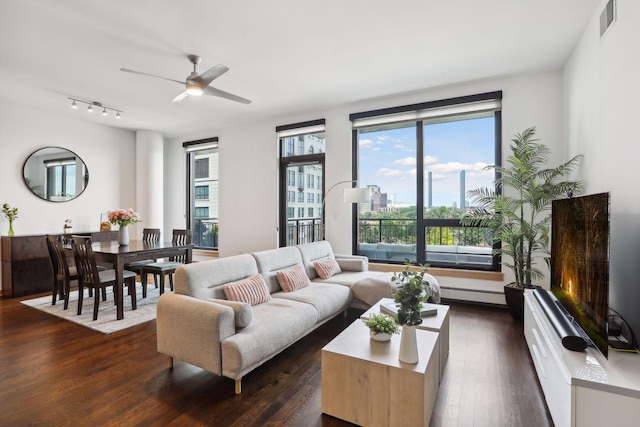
(55, 174)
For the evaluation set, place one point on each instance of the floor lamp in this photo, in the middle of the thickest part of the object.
(351, 195)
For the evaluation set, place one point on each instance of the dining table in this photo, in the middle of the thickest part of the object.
(119, 255)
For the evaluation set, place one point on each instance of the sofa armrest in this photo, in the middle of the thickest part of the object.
(352, 262)
(191, 330)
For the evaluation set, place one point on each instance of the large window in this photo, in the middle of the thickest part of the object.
(301, 172)
(202, 192)
(418, 162)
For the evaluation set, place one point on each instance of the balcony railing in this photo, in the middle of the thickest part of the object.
(448, 244)
(205, 233)
(304, 230)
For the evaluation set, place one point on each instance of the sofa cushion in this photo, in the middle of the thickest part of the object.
(243, 312)
(314, 251)
(252, 290)
(205, 279)
(326, 268)
(273, 260)
(293, 278)
(327, 299)
(277, 324)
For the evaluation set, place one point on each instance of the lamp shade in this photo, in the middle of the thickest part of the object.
(356, 195)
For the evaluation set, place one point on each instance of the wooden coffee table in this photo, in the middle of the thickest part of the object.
(364, 382)
(437, 323)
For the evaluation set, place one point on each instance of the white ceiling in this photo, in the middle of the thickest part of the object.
(288, 56)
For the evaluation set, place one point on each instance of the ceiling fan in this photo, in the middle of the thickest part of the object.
(197, 85)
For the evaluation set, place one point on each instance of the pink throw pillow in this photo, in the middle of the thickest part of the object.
(293, 278)
(327, 268)
(252, 290)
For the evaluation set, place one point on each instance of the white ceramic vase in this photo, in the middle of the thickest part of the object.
(408, 345)
(123, 235)
(380, 336)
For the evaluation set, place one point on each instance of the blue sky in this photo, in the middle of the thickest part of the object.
(388, 159)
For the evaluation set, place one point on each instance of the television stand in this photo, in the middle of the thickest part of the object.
(581, 388)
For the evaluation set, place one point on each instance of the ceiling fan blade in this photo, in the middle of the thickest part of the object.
(178, 99)
(210, 75)
(222, 94)
(126, 70)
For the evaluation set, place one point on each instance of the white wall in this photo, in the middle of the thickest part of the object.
(602, 89)
(108, 153)
(249, 167)
(149, 181)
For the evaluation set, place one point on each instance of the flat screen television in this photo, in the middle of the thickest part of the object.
(580, 262)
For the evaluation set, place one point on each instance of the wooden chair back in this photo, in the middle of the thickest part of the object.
(180, 237)
(58, 256)
(85, 261)
(151, 235)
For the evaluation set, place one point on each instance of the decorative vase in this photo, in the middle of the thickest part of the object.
(380, 336)
(408, 345)
(10, 233)
(123, 236)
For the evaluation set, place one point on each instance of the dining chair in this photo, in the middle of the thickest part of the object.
(149, 235)
(162, 268)
(91, 277)
(63, 274)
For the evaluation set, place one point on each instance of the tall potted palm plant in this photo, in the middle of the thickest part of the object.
(517, 212)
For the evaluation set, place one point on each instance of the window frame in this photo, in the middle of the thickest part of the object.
(296, 131)
(191, 150)
(418, 114)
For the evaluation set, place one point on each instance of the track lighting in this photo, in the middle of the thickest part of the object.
(91, 104)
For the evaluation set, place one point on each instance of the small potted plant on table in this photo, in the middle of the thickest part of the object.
(382, 327)
(410, 294)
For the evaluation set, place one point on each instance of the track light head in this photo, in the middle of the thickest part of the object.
(74, 105)
(90, 108)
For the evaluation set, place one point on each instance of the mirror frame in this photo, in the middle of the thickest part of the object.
(65, 154)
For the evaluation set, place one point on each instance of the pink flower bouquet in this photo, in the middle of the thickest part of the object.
(123, 217)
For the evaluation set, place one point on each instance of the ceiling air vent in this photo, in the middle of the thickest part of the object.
(607, 16)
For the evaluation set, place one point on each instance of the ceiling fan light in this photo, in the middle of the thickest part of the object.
(194, 89)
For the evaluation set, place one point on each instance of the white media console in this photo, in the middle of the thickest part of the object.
(582, 389)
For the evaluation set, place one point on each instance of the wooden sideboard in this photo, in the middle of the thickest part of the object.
(26, 266)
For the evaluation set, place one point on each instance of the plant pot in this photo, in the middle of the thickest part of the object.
(380, 336)
(514, 296)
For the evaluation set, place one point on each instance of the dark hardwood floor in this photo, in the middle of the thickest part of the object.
(56, 373)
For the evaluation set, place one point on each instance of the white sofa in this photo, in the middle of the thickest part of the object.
(196, 323)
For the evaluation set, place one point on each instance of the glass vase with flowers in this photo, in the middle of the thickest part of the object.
(123, 218)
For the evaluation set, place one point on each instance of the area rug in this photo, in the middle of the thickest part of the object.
(106, 322)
